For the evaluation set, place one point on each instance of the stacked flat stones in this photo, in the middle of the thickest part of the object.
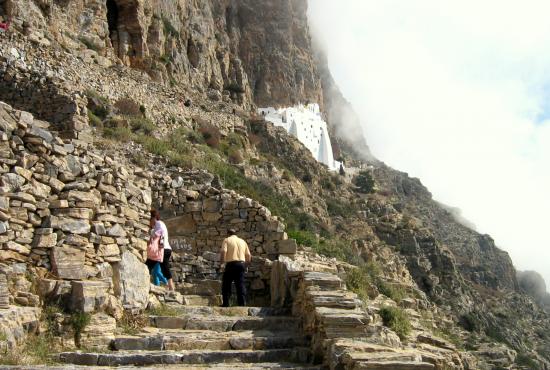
(4, 293)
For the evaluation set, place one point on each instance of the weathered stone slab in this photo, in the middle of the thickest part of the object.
(183, 225)
(108, 250)
(68, 262)
(44, 240)
(155, 343)
(18, 248)
(89, 296)
(116, 231)
(80, 213)
(4, 293)
(288, 246)
(70, 225)
(100, 332)
(131, 281)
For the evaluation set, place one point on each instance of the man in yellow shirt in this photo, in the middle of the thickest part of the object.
(234, 253)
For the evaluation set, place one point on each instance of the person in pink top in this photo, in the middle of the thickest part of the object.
(158, 227)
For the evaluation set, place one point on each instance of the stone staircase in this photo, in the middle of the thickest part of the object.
(207, 336)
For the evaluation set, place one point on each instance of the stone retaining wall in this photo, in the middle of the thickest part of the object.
(41, 92)
(198, 218)
(80, 219)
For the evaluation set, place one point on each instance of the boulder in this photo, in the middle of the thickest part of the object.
(131, 282)
(89, 296)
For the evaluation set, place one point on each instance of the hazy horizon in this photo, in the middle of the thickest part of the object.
(458, 95)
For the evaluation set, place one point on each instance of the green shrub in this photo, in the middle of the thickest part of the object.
(79, 321)
(94, 120)
(180, 160)
(340, 208)
(494, 332)
(153, 145)
(235, 156)
(364, 182)
(179, 145)
(523, 359)
(165, 59)
(35, 350)
(140, 159)
(98, 104)
(122, 134)
(142, 125)
(303, 237)
(469, 321)
(195, 137)
(327, 183)
(357, 280)
(397, 320)
(395, 292)
(235, 88)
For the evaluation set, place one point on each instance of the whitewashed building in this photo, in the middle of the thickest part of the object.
(306, 124)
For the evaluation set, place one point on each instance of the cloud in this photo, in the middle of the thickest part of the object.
(457, 94)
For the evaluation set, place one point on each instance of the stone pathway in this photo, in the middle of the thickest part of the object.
(204, 336)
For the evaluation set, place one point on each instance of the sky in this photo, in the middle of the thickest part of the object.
(456, 93)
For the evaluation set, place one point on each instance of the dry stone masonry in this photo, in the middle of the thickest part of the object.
(79, 220)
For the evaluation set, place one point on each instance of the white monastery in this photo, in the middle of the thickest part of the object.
(306, 124)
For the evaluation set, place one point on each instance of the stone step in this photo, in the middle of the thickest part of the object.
(202, 300)
(201, 287)
(194, 340)
(149, 358)
(228, 366)
(231, 311)
(392, 365)
(227, 323)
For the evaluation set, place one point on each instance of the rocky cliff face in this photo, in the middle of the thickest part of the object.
(251, 51)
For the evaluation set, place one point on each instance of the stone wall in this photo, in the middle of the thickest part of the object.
(42, 93)
(198, 217)
(79, 219)
(69, 211)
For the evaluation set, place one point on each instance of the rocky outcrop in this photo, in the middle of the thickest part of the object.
(247, 50)
(476, 256)
(131, 282)
(532, 283)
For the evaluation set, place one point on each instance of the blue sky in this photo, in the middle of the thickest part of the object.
(457, 94)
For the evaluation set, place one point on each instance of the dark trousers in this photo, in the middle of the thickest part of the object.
(234, 272)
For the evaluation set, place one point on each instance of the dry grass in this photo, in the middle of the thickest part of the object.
(35, 350)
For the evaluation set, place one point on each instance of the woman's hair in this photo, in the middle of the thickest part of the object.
(155, 214)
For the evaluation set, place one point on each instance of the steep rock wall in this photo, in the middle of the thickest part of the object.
(250, 51)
